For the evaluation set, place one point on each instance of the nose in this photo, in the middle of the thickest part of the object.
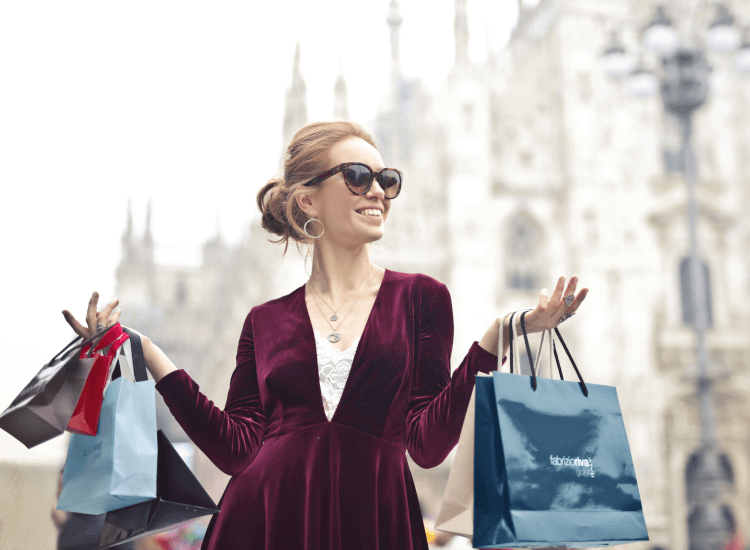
(375, 190)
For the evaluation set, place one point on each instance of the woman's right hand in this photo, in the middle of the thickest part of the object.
(105, 317)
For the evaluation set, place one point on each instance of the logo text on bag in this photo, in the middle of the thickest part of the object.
(97, 447)
(583, 466)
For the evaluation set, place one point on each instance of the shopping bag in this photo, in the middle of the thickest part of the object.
(44, 407)
(456, 514)
(117, 467)
(552, 464)
(85, 418)
(180, 498)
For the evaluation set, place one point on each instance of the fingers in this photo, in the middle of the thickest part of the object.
(104, 315)
(551, 309)
(579, 299)
(556, 299)
(94, 317)
(91, 313)
(115, 317)
(558, 305)
(77, 327)
(543, 299)
(570, 290)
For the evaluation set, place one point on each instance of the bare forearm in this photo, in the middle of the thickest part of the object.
(157, 362)
(491, 339)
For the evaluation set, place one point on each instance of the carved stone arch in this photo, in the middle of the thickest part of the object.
(729, 404)
(726, 470)
(524, 244)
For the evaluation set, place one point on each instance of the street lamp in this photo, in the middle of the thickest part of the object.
(660, 36)
(684, 84)
(722, 36)
(642, 82)
(616, 62)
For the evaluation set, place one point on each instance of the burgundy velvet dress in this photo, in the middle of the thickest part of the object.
(302, 482)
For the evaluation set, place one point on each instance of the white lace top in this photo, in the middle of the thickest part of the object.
(333, 370)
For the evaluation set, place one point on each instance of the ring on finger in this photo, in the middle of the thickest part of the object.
(569, 300)
(566, 317)
(100, 326)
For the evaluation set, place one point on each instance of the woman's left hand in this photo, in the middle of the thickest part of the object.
(550, 310)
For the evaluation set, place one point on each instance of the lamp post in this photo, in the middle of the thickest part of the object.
(684, 83)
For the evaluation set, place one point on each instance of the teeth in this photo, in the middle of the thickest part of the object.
(369, 212)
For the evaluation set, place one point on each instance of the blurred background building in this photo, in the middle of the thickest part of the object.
(530, 166)
(562, 171)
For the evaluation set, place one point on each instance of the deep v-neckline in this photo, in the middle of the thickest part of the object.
(375, 304)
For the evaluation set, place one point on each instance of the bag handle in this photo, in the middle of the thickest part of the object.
(539, 354)
(583, 384)
(82, 343)
(528, 348)
(513, 339)
(140, 373)
(115, 337)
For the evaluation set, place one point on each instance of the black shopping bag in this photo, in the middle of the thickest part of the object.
(179, 498)
(43, 409)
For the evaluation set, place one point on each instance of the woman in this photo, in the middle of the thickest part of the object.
(334, 473)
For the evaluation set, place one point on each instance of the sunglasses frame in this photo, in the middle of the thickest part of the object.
(373, 174)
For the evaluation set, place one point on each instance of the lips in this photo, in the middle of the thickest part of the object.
(370, 217)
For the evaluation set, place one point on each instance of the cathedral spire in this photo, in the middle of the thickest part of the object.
(148, 238)
(295, 115)
(340, 101)
(127, 236)
(461, 29)
(394, 20)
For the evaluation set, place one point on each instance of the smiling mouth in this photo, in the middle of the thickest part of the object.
(370, 215)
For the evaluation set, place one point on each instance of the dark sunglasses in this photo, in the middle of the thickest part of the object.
(359, 178)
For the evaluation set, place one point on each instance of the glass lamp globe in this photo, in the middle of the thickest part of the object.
(660, 36)
(723, 38)
(617, 64)
(642, 83)
(660, 39)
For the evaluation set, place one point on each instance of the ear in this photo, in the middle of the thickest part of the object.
(305, 203)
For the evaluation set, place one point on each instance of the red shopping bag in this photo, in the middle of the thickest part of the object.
(85, 419)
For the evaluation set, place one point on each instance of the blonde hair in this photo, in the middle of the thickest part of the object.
(307, 156)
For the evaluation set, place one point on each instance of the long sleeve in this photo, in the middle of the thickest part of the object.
(230, 438)
(438, 401)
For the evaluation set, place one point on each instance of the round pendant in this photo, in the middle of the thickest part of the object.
(334, 337)
(334, 318)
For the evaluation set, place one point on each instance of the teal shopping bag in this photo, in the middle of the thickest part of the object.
(116, 467)
(552, 464)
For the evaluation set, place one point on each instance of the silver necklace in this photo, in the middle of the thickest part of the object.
(334, 336)
(334, 317)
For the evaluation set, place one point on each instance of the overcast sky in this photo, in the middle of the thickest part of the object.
(181, 102)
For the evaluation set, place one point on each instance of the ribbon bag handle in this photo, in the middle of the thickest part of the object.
(114, 337)
(572, 362)
(140, 372)
(514, 339)
(82, 343)
(528, 349)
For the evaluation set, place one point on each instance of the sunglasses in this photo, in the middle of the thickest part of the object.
(359, 178)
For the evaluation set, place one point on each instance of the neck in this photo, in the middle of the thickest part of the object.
(336, 274)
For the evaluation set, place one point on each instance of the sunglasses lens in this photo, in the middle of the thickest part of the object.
(390, 181)
(357, 177)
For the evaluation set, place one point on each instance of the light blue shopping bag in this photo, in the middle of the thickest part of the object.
(552, 464)
(116, 467)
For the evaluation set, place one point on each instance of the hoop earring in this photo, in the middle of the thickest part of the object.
(308, 234)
